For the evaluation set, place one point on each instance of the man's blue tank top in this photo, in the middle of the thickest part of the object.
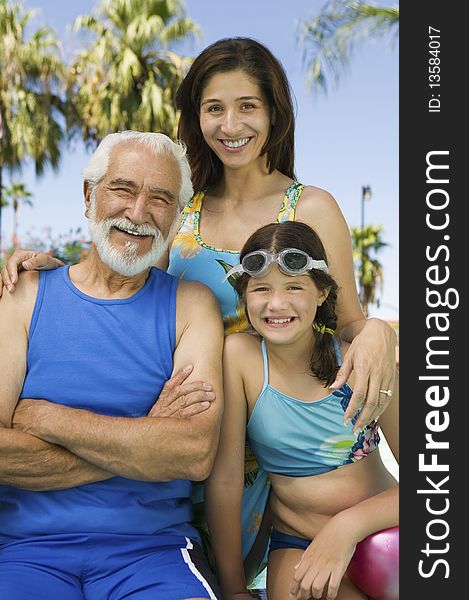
(111, 357)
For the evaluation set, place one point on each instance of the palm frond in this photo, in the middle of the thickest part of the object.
(31, 86)
(330, 38)
(127, 77)
(180, 29)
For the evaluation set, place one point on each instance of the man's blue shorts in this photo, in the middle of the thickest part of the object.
(105, 567)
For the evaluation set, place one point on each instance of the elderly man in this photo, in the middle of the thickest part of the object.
(110, 399)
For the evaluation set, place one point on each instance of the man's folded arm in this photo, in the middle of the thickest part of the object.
(149, 448)
(32, 464)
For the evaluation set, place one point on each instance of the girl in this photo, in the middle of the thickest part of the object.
(330, 489)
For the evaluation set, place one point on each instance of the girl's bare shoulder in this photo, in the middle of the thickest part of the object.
(242, 353)
(241, 346)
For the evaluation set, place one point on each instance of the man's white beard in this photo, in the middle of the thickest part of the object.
(125, 261)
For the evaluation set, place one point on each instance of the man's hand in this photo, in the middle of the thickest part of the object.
(183, 400)
(27, 260)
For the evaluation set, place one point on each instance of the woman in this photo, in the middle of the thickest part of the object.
(237, 120)
(331, 493)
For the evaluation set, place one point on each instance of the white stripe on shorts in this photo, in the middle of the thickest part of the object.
(195, 571)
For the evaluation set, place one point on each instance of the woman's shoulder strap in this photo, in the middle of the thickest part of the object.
(290, 200)
(195, 203)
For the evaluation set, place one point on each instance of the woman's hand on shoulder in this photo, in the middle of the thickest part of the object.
(371, 357)
(25, 260)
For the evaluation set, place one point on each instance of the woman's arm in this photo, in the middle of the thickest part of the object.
(25, 260)
(372, 355)
(223, 491)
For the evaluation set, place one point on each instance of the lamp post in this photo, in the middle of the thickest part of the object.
(366, 195)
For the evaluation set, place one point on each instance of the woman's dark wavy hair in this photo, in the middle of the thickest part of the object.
(294, 234)
(232, 54)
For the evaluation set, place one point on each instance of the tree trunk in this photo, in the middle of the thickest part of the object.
(15, 222)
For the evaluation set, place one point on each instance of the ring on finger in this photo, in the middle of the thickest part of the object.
(387, 392)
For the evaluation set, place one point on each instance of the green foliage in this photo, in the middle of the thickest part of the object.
(31, 108)
(70, 247)
(17, 193)
(366, 243)
(30, 83)
(330, 38)
(126, 78)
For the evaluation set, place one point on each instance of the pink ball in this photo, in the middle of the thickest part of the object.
(374, 567)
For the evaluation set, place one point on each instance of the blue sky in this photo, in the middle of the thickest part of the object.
(344, 140)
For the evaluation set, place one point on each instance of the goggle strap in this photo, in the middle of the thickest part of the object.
(233, 271)
(319, 264)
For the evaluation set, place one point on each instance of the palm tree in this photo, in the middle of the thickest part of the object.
(17, 195)
(370, 271)
(331, 37)
(30, 106)
(127, 78)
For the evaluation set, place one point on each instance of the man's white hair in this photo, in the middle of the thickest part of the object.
(159, 144)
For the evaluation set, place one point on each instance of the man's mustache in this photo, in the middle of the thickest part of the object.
(128, 225)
